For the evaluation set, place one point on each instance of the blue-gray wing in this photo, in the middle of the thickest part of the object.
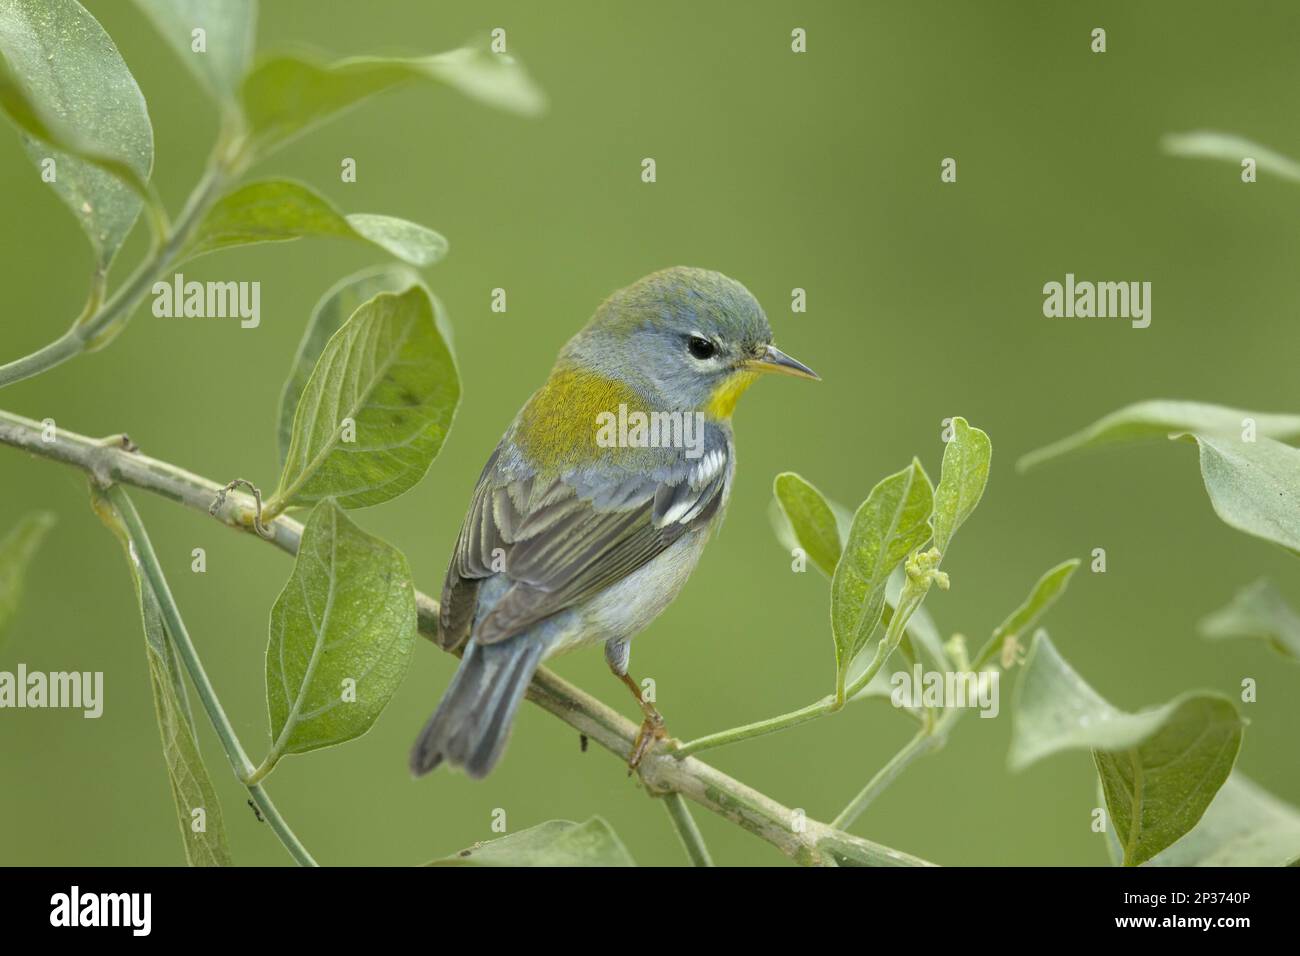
(561, 540)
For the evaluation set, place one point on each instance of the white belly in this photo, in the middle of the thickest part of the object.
(629, 606)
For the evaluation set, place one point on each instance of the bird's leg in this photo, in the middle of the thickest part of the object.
(652, 726)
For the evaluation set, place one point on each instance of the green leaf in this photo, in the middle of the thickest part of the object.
(203, 835)
(784, 531)
(888, 526)
(1258, 611)
(961, 482)
(341, 636)
(190, 784)
(920, 633)
(1209, 144)
(389, 371)
(1055, 710)
(1114, 851)
(1244, 826)
(333, 309)
(16, 551)
(1158, 790)
(1159, 768)
(1254, 486)
(1158, 419)
(229, 26)
(278, 210)
(286, 95)
(811, 519)
(554, 843)
(75, 101)
(1043, 595)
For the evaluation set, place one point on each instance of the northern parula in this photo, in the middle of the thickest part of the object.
(596, 504)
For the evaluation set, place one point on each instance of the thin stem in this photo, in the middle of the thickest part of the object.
(692, 840)
(93, 331)
(808, 842)
(934, 732)
(180, 636)
(265, 767)
(97, 330)
(280, 826)
(909, 600)
(922, 743)
(156, 212)
(992, 647)
(56, 353)
(931, 737)
(757, 729)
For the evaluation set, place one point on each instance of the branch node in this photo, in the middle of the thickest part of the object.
(220, 500)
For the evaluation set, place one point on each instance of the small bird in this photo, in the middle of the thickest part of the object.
(580, 532)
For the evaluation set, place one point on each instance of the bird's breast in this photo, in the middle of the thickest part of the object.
(627, 607)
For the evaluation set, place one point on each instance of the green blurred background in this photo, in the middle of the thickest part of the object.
(819, 171)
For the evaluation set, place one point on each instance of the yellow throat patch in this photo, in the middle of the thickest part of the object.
(723, 400)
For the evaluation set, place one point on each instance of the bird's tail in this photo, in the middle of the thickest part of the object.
(470, 727)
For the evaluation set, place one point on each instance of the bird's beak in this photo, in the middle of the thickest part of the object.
(774, 360)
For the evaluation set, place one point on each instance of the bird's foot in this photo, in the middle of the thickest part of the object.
(652, 729)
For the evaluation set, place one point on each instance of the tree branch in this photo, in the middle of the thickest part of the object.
(809, 842)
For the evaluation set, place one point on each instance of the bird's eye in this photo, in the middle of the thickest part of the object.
(700, 347)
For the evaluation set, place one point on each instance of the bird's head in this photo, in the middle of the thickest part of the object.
(687, 339)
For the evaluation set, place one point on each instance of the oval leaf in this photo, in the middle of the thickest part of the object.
(785, 535)
(287, 95)
(1056, 709)
(888, 526)
(1254, 486)
(1257, 611)
(554, 843)
(76, 102)
(1159, 769)
(1159, 419)
(228, 26)
(1043, 595)
(334, 308)
(811, 519)
(965, 472)
(1244, 826)
(388, 375)
(1159, 789)
(278, 210)
(16, 551)
(341, 636)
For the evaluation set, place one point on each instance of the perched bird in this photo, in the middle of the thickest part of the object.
(581, 531)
